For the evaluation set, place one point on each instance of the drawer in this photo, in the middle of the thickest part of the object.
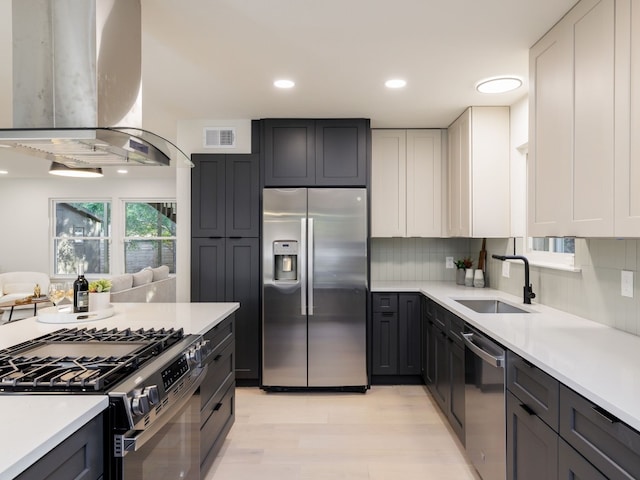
(220, 333)
(221, 368)
(456, 327)
(606, 442)
(385, 302)
(533, 387)
(440, 318)
(572, 465)
(222, 412)
(429, 308)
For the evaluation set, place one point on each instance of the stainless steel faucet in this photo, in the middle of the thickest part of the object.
(528, 290)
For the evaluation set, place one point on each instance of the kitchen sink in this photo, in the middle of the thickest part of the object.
(490, 306)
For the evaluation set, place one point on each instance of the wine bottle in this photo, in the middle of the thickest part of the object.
(80, 292)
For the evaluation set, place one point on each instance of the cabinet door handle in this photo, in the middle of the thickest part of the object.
(217, 357)
(527, 409)
(604, 414)
(217, 407)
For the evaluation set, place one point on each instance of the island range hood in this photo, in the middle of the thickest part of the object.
(77, 76)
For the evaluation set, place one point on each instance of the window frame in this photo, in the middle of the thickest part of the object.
(53, 253)
(123, 227)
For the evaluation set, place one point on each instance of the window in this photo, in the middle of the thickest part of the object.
(81, 236)
(150, 235)
(556, 252)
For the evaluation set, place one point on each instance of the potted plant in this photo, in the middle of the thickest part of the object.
(99, 294)
(462, 265)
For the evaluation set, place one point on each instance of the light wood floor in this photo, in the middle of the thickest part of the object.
(389, 433)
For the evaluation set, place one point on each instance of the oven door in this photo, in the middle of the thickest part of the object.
(169, 449)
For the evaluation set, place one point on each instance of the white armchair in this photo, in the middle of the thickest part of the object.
(17, 285)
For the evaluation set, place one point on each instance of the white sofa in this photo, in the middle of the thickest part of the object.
(17, 285)
(149, 285)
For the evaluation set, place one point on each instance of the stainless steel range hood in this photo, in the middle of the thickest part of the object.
(77, 72)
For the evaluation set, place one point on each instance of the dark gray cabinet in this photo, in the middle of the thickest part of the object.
(395, 336)
(217, 392)
(80, 456)
(225, 196)
(532, 421)
(532, 446)
(444, 372)
(573, 466)
(601, 438)
(225, 255)
(305, 153)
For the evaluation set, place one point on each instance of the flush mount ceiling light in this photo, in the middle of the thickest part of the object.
(498, 84)
(123, 171)
(4, 172)
(395, 83)
(64, 171)
(284, 83)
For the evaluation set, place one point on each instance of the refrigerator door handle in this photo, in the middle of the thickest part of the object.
(310, 253)
(303, 266)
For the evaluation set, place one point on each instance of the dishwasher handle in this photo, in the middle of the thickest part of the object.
(493, 360)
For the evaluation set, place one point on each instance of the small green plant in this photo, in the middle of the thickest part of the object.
(101, 285)
(464, 263)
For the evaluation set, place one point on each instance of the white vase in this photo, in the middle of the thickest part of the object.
(99, 301)
(468, 277)
(478, 279)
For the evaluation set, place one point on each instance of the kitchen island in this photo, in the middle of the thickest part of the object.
(35, 424)
(597, 361)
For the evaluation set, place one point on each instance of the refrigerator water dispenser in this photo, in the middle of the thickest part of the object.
(285, 255)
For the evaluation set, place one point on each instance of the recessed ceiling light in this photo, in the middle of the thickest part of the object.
(4, 172)
(498, 84)
(395, 83)
(284, 83)
(122, 170)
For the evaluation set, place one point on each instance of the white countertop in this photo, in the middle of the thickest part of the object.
(597, 361)
(35, 424)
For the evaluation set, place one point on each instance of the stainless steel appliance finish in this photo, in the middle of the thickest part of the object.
(314, 324)
(151, 377)
(485, 411)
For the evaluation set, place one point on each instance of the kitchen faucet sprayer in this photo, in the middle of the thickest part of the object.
(527, 290)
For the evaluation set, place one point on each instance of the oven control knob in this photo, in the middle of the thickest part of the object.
(140, 403)
(152, 394)
(195, 354)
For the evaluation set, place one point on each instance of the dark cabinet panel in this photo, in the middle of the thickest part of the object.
(441, 387)
(409, 334)
(609, 444)
(385, 343)
(341, 152)
(304, 153)
(456, 405)
(532, 447)
(289, 152)
(573, 466)
(207, 269)
(538, 390)
(80, 456)
(385, 302)
(208, 187)
(242, 284)
(242, 196)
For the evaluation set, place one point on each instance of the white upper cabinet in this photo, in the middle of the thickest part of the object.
(406, 183)
(627, 140)
(571, 138)
(479, 191)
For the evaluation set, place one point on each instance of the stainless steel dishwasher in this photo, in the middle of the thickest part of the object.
(485, 413)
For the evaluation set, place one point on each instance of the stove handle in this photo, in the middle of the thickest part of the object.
(135, 439)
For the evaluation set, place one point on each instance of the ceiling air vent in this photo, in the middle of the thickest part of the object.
(219, 137)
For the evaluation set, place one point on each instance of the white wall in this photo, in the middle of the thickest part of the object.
(519, 125)
(6, 72)
(25, 212)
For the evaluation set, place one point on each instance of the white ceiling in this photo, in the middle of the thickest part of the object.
(217, 59)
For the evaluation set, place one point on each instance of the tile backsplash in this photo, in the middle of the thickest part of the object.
(593, 292)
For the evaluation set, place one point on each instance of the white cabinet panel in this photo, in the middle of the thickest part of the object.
(406, 183)
(571, 141)
(479, 180)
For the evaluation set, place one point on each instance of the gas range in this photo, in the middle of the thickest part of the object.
(81, 360)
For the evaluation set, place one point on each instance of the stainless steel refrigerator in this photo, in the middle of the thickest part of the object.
(314, 288)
